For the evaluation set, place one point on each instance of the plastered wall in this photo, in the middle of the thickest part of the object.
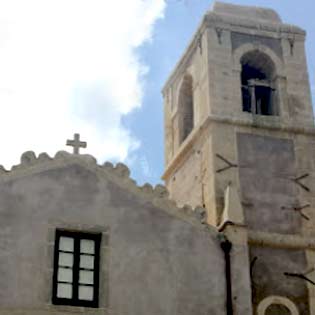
(152, 262)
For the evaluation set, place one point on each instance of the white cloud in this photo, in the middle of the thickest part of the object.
(71, 66)
(146, 169)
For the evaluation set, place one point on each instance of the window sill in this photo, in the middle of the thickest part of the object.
(77, 309)
(263, 119)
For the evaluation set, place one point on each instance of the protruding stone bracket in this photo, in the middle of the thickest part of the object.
(233, 210)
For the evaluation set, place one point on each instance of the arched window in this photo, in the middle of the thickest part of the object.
(258, 92)
(186, 108)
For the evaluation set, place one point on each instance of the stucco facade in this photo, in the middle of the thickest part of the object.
(151, 258)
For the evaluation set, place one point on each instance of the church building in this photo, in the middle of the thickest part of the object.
(233, 230)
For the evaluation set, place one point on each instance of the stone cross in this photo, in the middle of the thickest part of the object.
(76, 143)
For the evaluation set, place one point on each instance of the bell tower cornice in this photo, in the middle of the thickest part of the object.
(220, 20)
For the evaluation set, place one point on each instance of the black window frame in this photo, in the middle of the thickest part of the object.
(77, 236)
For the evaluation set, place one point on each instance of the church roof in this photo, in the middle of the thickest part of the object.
(119, 174)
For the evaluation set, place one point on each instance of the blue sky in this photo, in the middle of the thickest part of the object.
(88, 66)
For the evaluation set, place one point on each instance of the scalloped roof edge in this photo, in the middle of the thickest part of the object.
(119, 174)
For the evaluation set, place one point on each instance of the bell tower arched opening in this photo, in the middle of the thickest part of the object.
(186, 108)
(258, 84)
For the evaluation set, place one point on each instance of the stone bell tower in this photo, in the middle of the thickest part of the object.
(240, 141)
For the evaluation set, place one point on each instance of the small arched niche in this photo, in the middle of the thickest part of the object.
(186, 108)
(277, 305)
(258, 78)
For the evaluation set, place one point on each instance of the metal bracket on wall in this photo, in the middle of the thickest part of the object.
(300, 276)
(229, 164)
(297, 180)
(299, 210)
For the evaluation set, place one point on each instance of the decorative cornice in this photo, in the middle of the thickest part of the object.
(229, 23)
(253, 121)
(293, 241)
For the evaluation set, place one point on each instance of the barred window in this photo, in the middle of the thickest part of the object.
(76, 268)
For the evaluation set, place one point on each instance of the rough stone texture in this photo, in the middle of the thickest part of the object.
(262, 155)
(189, 177)
(248, 12)
(153, 261)
(268, 276)
(269, 195)
(239, 39)
(192, 184)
